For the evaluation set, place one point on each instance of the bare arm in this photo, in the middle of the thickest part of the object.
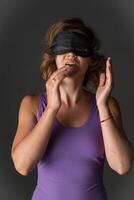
(119, 151)
(31, 139)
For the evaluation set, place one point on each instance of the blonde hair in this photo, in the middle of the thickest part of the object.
(48, 65)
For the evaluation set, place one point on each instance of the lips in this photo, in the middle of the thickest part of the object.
(71, 63)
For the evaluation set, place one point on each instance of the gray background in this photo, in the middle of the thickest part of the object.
(22, 26)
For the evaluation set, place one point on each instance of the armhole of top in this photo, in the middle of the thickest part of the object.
(39, 107)
(45, 98)
(42, 104)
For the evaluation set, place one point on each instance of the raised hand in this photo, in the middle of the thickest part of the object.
(106, 84)
(52, 86)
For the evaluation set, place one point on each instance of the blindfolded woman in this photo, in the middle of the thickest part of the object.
(75, 124)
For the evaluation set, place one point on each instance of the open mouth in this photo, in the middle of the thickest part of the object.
(71, 64)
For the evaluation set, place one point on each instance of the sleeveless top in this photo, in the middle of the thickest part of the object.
(72, 165)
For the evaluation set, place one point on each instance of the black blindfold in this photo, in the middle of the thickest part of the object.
(70, 41)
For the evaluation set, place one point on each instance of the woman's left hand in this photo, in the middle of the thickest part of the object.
(106, 84)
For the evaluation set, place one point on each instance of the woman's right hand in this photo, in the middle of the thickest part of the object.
(52, 87)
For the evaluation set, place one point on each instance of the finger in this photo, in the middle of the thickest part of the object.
(108, 72)
(61, 75)
(102, 79)
(59, 78)
(109, 64)
(56, 72)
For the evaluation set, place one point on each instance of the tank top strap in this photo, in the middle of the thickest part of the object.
(94, 105)
(42, 104)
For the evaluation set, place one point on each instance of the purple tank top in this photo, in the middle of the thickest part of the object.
(72, 165)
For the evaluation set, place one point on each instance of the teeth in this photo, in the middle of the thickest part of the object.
(70, 64)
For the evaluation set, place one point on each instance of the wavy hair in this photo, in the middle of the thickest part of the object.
(48, 64)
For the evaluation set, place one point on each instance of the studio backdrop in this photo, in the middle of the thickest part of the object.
(22, 27)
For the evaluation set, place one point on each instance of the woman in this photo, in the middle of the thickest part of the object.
(70, 129)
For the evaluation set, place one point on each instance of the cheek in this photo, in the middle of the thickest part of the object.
(85, 63)
(59, 60)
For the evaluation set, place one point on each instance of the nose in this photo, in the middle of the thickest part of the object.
(71, 54)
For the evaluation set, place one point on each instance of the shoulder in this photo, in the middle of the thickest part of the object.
(31, 101)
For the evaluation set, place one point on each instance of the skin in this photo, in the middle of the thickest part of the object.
(106, 83)
(119, 151)
(70, 88)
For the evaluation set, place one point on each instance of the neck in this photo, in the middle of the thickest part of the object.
(71, 94)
